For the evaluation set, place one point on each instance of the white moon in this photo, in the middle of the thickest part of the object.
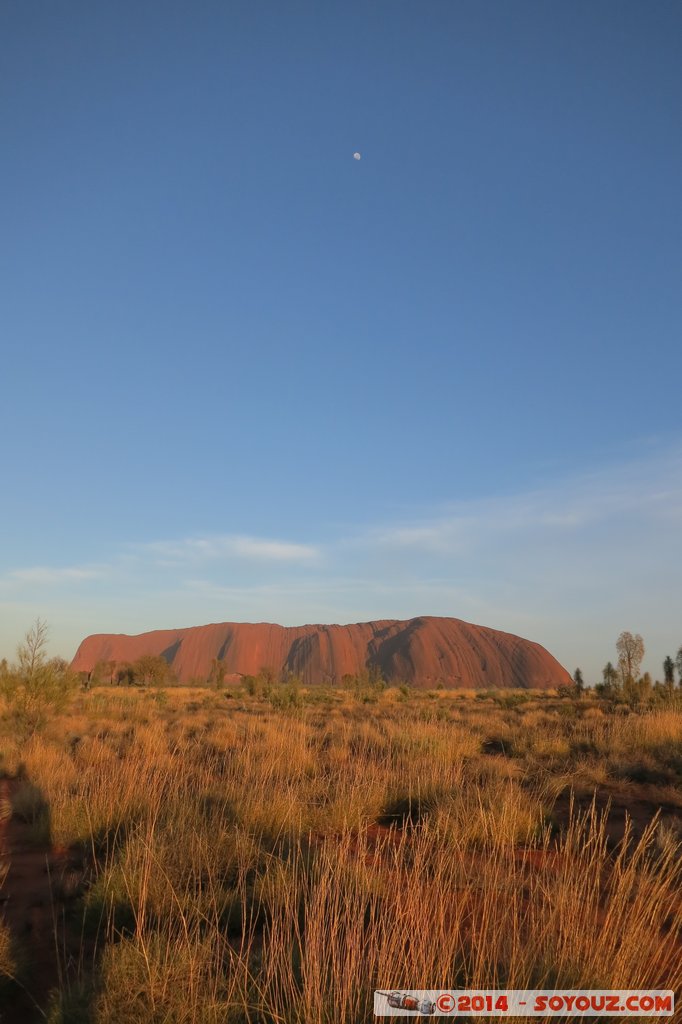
(357, 156)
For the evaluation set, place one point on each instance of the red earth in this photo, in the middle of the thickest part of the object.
(425, 651)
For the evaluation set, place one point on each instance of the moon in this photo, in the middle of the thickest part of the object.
(357, 156)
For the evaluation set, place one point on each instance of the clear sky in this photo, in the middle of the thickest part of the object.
(246, 376)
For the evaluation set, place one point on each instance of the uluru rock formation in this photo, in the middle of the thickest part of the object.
(425, 651)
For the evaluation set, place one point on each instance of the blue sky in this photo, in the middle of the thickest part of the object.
(245, 376)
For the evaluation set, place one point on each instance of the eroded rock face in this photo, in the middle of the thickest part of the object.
(424, 651)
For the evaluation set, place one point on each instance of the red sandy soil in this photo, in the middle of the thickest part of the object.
(630, 806)
(39, 883)
(424, 652)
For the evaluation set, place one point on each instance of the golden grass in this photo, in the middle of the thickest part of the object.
(255, 863)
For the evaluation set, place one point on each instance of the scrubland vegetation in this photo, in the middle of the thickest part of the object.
(265, 853)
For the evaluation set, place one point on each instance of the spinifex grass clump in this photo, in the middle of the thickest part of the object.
(255, 863)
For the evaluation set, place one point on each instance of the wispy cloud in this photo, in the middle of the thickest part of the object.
(644, 492)
(141, 562)
(230, 546)
(46, 575)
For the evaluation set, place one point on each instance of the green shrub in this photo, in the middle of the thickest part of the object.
(36, 686)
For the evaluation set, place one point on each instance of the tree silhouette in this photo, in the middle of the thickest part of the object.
(610, 676)
(678, 662)
(669, 672)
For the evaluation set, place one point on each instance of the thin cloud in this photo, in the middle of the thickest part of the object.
(273, 550)
(45, 575)
(230, 546)
(650, 491)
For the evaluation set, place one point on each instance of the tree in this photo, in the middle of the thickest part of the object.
(678, 662)
(151, 668)
(36, 684)
(376, 678)
(579, 682)
(669, 672)
(31, 654)
(610, 677)
(125, 673)
(646, 682)
(104, 671)
(630, 653)
(637, 691)
(216, 676)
